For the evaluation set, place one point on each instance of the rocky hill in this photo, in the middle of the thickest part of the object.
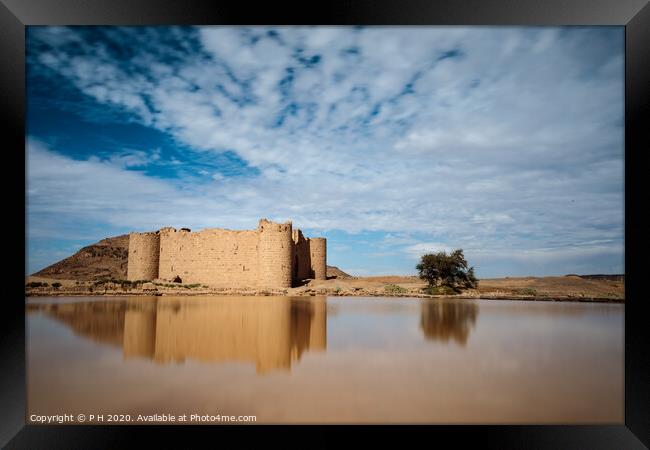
(335, 272)
(107, 259)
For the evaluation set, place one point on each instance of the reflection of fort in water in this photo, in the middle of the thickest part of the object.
(270, 332)
(447, 320)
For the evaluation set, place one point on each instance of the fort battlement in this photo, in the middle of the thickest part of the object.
(273, 255)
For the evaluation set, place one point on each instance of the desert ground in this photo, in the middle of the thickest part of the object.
(567, 288)
(571, 286)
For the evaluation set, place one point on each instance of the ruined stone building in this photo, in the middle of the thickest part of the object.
(272, 256)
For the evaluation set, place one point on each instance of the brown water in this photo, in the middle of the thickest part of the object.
(327, 360)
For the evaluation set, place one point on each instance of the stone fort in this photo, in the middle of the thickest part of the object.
(272, 256)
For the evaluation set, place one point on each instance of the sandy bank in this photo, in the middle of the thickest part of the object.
(569, 288)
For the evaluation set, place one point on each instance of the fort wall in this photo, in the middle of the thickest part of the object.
(144, 251)
(215, 256)
(301, 257)
(272, 256)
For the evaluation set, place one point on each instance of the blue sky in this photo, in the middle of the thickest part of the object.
(389, 141)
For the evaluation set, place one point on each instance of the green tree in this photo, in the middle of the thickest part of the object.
(441, 269)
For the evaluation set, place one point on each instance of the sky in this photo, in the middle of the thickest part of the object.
(391, 142)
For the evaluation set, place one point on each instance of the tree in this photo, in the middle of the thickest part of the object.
(441, 269)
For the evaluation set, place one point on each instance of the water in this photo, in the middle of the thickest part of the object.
(327, 360)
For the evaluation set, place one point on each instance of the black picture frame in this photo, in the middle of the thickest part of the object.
(633, 14)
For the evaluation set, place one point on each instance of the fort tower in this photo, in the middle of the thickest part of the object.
(144, 253)
(318, 255)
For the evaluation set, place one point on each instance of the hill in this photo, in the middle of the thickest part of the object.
(107, 259)
(335, 272)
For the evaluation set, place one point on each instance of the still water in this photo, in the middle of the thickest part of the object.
(327, 360)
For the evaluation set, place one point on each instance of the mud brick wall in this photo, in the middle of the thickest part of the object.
(215, 256)
(301, 257)
(143, 256)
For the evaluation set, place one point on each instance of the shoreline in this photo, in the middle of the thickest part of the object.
(556, 289)
(326, 294)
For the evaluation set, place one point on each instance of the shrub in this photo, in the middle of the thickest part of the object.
(56, 285)
(527, 291)
(441, 290)
(395, 289)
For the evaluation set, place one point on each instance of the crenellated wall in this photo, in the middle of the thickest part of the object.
(143, 256)
(274, 256)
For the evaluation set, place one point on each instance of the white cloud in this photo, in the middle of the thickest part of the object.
(517, 140)
(133, 158)
(427, 247)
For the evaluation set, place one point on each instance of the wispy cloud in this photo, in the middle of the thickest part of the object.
(507, 138)
(417, 250)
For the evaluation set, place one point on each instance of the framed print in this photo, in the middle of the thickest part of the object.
(394, 218)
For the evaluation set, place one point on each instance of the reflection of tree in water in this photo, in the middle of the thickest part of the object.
(442, 321)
